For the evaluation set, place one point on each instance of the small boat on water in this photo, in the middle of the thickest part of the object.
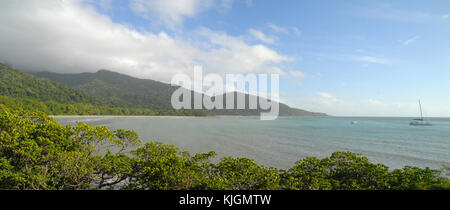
(354, 122)
(420, 121)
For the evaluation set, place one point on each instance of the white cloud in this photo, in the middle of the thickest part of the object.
(174, 12)
(232, 54)
(377, 107)
(226, 5)
(367, 59)
(446, 16)
(410, 41)
(326, 102)
(388, 12)
(261, 36)
(327, 98)
(249, 3)
(68, 36)
(106, 5)
(283, 30)
(296, 31)
(277, 28)
(371, 59)
(375, 102)
(297, 74)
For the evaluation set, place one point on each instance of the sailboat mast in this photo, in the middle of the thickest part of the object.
(420, 122)
(421, 114)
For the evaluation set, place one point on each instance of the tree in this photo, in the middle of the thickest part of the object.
(36, 152)
(164, 167)
(243, 174)
(350, 171)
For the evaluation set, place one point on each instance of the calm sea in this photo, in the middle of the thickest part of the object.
(280, 143)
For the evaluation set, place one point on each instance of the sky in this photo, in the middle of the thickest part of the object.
(344, 58)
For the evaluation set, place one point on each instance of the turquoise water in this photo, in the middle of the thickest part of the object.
(280, 143)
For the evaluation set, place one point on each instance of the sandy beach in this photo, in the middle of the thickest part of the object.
(121, 116)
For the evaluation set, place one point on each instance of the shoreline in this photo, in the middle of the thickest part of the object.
(121, 116)
(166, 116)
(219, 116)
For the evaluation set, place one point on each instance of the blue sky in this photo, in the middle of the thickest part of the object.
(349, 58)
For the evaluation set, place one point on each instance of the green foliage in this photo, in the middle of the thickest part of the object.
(116, 89)
(243, 174)
(350, 171)
(14, 83)
(36, 152)
(23, 90)
(113, 170)
(163, 167)
(54, 108)
(343, 171)
(417, 179)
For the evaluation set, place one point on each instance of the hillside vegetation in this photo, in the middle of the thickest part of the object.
(14, 83)
(123, 90)
(54, 108)
(23, 90)
(105, 93)
(116, 89)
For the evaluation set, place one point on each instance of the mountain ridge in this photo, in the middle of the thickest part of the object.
(19, 84)
(24, 91)
(119, 89)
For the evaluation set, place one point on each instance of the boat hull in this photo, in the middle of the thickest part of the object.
(418, 123)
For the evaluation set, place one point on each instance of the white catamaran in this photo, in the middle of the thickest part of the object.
(420, 121)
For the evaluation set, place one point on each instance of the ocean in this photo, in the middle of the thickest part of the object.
(282, 142)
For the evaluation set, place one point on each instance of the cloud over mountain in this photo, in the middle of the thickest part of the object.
(72, 36)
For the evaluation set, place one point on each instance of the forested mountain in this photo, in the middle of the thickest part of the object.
(284, 110)
(103, 92)
(18, 84)
(116, 89)
(123, 90)
(23, 90)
